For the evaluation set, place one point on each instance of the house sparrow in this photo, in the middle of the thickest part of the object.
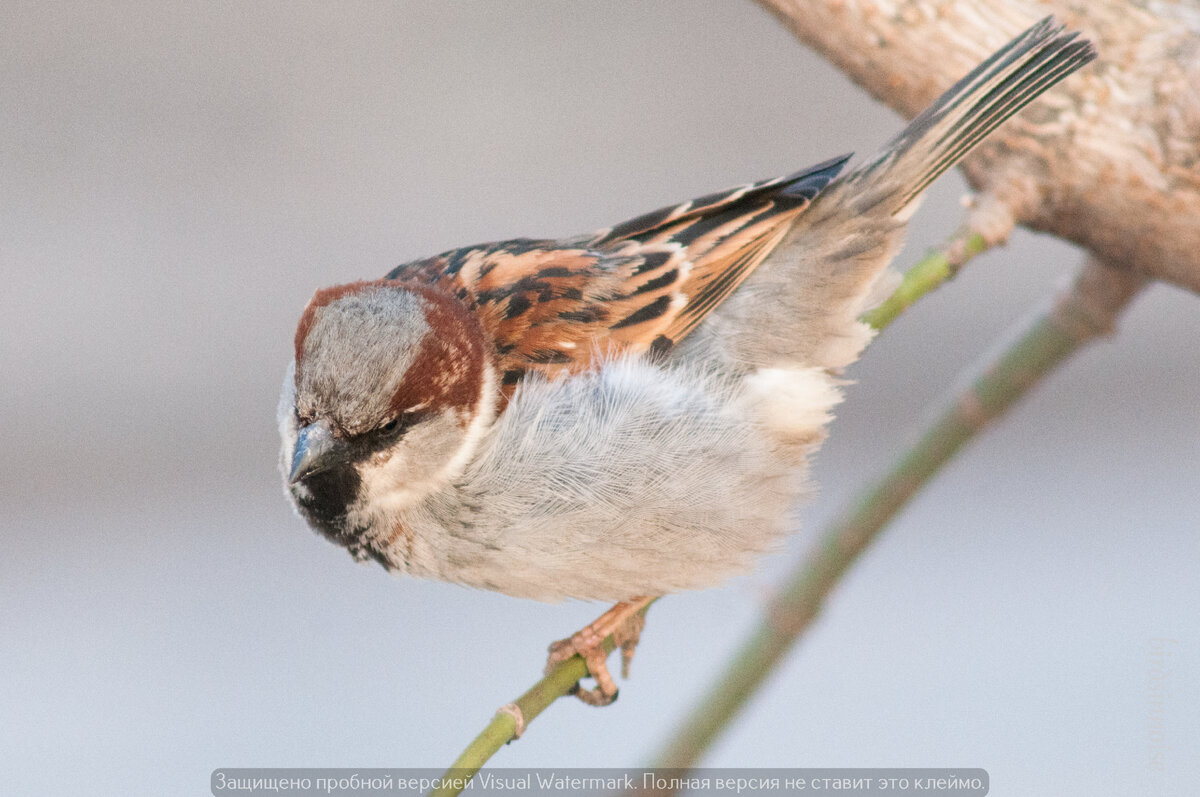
(622, 414)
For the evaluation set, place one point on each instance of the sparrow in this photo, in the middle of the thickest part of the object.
(623, 414)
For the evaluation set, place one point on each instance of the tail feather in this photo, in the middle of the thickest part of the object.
(972, 108)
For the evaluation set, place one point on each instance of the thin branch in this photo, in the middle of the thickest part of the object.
(988, 225)
(511, 720)
(938, 266)
(1083, 312)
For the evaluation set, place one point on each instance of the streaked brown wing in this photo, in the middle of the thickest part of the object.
(721, 239)
(556, 305)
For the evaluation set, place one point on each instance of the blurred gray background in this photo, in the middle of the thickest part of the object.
(175, 181)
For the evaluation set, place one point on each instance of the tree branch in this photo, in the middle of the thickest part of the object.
(1109, 160)
(511, 720)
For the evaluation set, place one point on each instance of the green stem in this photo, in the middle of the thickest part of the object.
(938, 266)
(1083, 313)
(503, 727)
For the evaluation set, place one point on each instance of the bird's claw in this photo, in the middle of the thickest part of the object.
(624, 623)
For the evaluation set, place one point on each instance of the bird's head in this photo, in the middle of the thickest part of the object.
(390, 390)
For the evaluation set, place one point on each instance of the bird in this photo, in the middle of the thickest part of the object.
(628, 413)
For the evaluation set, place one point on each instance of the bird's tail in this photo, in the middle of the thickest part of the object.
(968, 111)
(801, 306)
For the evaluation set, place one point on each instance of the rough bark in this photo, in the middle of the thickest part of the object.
(1110, 160)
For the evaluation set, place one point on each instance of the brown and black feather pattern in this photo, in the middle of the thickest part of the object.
(644, 284)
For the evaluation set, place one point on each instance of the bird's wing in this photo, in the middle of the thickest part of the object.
(554, 306)
(698, 253)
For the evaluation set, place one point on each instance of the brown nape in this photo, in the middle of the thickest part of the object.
(321, 298)
(447, 372)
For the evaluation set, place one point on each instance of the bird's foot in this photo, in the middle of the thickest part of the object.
(624, 623)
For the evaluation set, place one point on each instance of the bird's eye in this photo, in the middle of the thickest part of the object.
(399, 424)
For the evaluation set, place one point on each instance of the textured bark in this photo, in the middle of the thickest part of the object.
(1109, 160)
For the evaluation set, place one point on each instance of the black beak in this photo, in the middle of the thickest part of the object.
(316, 450)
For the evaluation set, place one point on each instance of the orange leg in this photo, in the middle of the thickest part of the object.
(624, 622)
